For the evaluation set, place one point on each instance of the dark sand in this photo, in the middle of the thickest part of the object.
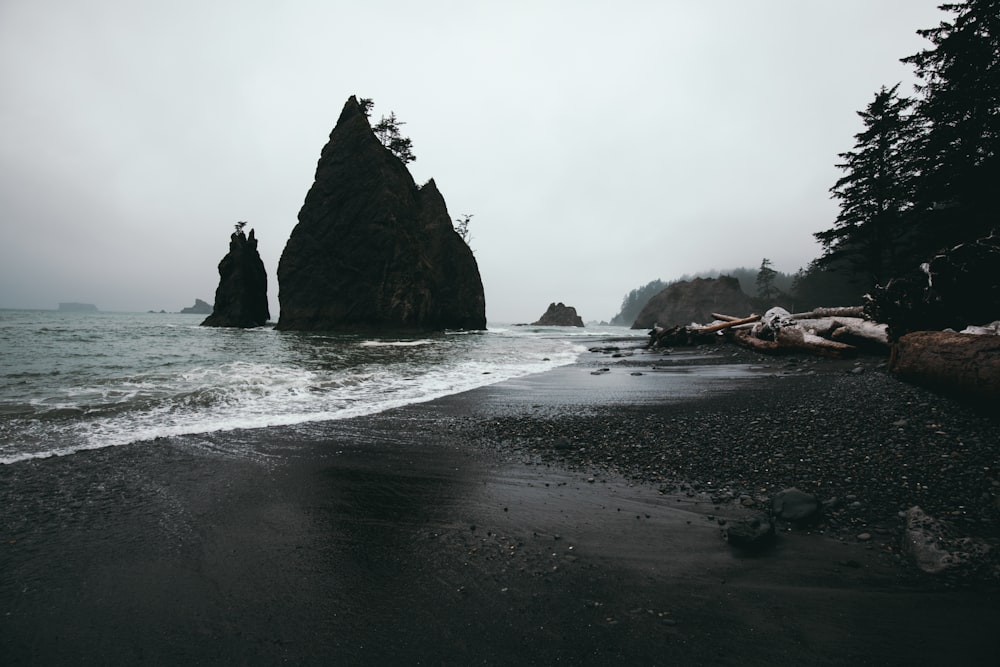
(402, 539)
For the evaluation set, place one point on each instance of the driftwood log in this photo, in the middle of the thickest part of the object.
(839, 311)
(795, 338)
(968, 364)
(744, 338)
(850, 330)
(828, 332)
(726, 323)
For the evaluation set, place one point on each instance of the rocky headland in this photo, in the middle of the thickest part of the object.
(695, 300)
(372, 250)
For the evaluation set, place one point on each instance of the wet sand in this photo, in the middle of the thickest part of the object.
(401, 539)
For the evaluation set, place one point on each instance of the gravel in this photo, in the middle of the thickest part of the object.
(867, 445)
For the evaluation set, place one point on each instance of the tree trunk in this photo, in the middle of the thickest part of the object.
(839, 311)
(965, 363)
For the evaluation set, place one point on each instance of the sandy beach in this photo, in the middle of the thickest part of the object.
(572, 517)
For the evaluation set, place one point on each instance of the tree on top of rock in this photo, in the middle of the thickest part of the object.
(387, 131)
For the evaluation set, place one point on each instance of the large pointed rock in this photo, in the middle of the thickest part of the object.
(371, 250)
(241, 298)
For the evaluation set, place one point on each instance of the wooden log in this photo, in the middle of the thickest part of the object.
(821, 326)
(968, 364)
(862, 333)
(744, 338)
(724, 318)
(712, 328)
(799, 339)
(840, 311)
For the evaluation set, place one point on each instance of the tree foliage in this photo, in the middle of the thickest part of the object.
(924, 172)
(366, 104)
(876, 189)
(387, 131)
(766, 291)
(634, 302)
(462, 227)
(959, 156)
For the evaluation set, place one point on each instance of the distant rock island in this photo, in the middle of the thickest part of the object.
(241, 298)
(372, 250)
(559, 315)
(684, 302)
(74, 307)
(199, 308)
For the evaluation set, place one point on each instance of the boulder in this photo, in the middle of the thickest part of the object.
(688, 301)
(795, 506)
(934, 547)
(199, 308)
(372, 250)
(241, 298)
(559, 315)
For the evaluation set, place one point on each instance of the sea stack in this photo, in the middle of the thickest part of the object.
(372, 250)
(241, 298)
(559, 315)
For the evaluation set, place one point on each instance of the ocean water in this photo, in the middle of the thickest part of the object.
(76, 381)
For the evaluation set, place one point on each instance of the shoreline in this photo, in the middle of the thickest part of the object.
(562, 517)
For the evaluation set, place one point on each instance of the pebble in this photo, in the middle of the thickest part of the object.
(868, 439)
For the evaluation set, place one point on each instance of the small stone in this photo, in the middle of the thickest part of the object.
(753, 534)
(864, 537)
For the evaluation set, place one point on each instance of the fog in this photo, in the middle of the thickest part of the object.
(597, 146)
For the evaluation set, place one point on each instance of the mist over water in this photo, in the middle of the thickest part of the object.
(73, 381)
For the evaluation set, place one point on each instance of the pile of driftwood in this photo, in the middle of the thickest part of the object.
(829, 332)
(966, 362)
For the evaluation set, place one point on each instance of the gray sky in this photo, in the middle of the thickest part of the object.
(598, 145)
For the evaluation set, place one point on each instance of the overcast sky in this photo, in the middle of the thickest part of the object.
(598, 145)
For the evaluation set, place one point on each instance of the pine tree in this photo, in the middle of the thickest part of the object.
(875, 191)
(959, 160)
(766, 291)
(387, 131)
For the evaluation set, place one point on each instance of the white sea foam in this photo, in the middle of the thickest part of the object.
(395, 343)
(203, 381)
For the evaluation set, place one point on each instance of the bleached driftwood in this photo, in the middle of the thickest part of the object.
(830, 332)
(851, 330)
(726, 324)
(862, 332)
(839, 311)
(799, 339)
